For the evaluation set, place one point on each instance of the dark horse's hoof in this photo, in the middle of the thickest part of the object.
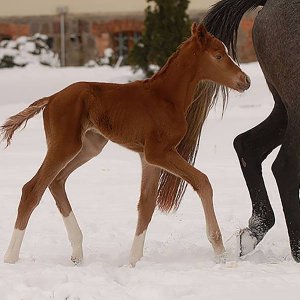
(247, 241)
(296, 251)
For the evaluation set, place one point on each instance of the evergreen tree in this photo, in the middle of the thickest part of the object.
(166, 26)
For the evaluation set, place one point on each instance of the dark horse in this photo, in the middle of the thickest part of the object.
(276, 37)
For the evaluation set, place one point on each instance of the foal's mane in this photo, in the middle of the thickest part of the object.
(169, 61)
(172, 188)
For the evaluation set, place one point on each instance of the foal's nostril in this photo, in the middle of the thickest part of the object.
(245, 78)
(248, 80)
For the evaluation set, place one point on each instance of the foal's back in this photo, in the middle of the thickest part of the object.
(123, 113)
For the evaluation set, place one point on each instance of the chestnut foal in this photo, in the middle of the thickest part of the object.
(148, 117)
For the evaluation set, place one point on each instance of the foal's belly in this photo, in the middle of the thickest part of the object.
(136, 147)
(123, 136)
(122, 122)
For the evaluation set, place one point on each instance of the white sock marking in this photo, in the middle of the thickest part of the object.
(137, 248)
(75, 237)
(13, 251)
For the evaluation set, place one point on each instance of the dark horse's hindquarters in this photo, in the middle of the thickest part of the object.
(276, 37)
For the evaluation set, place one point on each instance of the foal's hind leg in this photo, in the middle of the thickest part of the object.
(93, 144)
(56, 159)
(252, 148)
(146, 206)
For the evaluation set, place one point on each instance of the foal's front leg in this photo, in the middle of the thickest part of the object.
(146, 206)
(171, 161)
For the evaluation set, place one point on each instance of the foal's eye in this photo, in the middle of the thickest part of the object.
(218, 56)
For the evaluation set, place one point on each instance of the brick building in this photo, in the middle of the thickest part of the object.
(82, 30)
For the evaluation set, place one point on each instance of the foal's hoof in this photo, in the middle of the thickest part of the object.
(10, 259)
(247, 241)
(221, 258)
(134, 260)
(76, 260)
(77, 255)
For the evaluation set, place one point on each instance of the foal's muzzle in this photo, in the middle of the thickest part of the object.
(244, 83)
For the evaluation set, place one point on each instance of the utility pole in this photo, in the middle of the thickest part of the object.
(62, 11)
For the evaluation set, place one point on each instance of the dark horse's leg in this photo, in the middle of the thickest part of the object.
(276, 36)
(286, 170)
(252, 148)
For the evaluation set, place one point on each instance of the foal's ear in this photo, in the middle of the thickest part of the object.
(194, 29)
(199, 31)
(202, 34)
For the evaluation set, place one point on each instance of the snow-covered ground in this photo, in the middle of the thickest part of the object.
(178, 262)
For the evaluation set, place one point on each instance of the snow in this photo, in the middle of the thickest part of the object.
(178, 260)
(29, 50)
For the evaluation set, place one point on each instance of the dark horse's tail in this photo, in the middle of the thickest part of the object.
(224, 17)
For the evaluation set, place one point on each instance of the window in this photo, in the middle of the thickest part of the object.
(124, 42)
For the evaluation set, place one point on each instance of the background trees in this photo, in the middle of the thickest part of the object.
(167, 24)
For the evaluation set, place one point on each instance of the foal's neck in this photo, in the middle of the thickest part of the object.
(178, 79)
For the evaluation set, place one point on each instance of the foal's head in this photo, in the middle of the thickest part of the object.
(214, 62)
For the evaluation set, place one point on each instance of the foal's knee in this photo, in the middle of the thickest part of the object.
(27, 187)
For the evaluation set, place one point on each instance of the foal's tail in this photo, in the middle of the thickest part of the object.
(14, 122)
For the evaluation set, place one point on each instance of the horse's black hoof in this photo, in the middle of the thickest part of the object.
(296, 252)
(247, 241)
